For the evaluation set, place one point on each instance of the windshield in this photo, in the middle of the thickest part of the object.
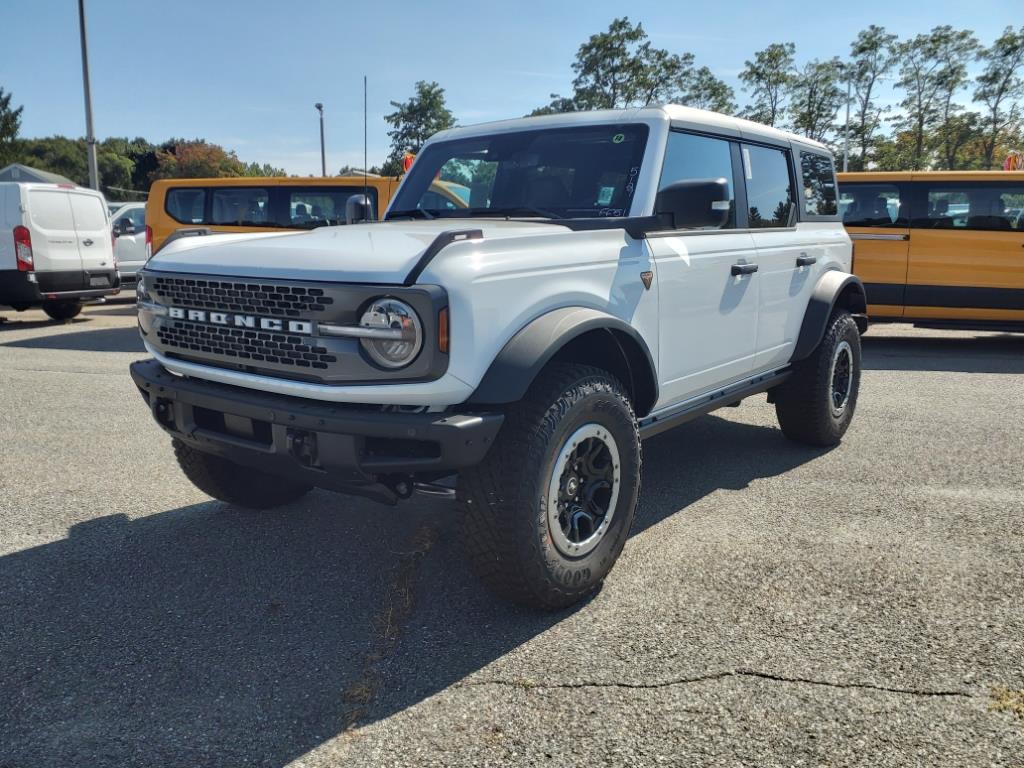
(551, 173)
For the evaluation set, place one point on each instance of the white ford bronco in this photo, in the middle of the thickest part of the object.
(584, 282)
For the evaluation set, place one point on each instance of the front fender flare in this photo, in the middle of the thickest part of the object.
(833, 288)
(517, 364)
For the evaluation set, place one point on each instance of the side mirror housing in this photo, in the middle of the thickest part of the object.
(695, 204)
(359, 209)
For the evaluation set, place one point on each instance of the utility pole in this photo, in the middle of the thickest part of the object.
(323, 154)
(846, 128)
(90, 137)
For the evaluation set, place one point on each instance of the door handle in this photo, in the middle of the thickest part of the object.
(87, 242)
(743, 269)
(803, 260)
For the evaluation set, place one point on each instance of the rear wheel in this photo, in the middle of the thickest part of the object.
(234, 483)
(62, 310)
(548, 511)
(815, 404)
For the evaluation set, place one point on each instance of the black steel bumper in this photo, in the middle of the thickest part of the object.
(349, 448)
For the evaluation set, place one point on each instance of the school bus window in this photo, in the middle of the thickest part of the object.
(985, 207)
(871, 205)
(186, 205)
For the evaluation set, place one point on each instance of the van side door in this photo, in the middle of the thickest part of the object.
(967, 251)
(877, 218)
(92, 231)
(707, 309)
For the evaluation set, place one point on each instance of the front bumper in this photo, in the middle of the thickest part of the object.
(348, 448)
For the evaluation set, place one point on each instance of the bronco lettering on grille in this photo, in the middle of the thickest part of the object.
(303, 327)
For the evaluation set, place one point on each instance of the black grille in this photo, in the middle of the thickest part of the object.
(259, 346)
(251, 298)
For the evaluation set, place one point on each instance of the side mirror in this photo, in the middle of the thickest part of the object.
(358, 209)
(695, 204)
(124, 227)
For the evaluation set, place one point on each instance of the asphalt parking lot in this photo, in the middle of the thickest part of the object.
(775, 605)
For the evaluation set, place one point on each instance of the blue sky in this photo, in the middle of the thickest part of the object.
(246, 73)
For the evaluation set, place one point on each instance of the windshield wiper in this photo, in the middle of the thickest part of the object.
(519, 210)
(412, 213)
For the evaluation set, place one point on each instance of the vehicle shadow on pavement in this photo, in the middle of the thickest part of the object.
(978, 354)
(208, 635)
(98, 340)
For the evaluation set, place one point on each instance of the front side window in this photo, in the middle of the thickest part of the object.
(557, 173)
(240, 207)
(186, 205)
(819, 184)
(689, 157)
(769, 190)
(313, 207)
(991, 207)
(872, 205)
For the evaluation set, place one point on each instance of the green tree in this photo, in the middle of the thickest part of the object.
(264, 170)
(10, 124)
(620, 68)
(932, 70)
(56, 154)
(815, 98)
(768, 77)
(414, 121)
(999, 87)
(871, 59)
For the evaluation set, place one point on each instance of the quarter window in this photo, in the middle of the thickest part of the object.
(241, 207)
(819, 184)
(690, 157)
(872, 205)
(769, 189)
(977, 206)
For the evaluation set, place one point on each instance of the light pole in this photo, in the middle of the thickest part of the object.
(90, 138)
(323, 154)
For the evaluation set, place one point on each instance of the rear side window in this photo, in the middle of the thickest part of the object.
(872, 205)
(318, 207)
(186, 205)
(89, 213)
(769, 189)
(975, 206)
(50, 210)
(819, 179)
(244, 206)
(691, 157)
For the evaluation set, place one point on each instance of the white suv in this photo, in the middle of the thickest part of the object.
(611, 275)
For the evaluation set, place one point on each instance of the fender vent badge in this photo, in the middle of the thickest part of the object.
(647, 277)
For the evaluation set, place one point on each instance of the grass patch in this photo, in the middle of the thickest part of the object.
(1007, 700)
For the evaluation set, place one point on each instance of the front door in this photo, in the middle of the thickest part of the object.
(708, 314)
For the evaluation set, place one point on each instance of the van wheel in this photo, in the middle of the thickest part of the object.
(62, 310)
(233, 483)
(547, 512)
(815, 404)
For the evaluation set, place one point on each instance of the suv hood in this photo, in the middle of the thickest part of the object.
(357, 253)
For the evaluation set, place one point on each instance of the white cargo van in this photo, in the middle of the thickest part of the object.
(56, 248)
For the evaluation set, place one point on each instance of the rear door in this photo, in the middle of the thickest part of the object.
(92, 231)
(967, 252)
(54, 240)
(877, 218)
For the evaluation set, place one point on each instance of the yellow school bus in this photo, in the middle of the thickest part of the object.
(257, 204)
(939, 248)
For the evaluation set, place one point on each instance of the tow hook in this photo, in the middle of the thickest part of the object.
(302, 447)
(401, 485)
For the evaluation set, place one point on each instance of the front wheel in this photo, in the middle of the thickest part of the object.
(815, 404)
(62, 310)
(548, 511)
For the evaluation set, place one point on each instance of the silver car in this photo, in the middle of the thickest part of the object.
(129, 229)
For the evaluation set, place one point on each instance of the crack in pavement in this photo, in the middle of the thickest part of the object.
(527, 684)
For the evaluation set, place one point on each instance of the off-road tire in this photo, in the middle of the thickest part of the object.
(233, 483)
(504, 501)
(804, 402)
(62, 310)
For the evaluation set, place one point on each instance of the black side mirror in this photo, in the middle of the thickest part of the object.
(127, 227)
(359, 209)
(695, 204)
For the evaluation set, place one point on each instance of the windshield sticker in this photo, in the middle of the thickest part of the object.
(618, 138)
(610, 212)
(631, 184)
(605, 195)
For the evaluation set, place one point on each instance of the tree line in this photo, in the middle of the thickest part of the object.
(944, 118)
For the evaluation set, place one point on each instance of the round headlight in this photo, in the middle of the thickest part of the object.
(399, 336)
